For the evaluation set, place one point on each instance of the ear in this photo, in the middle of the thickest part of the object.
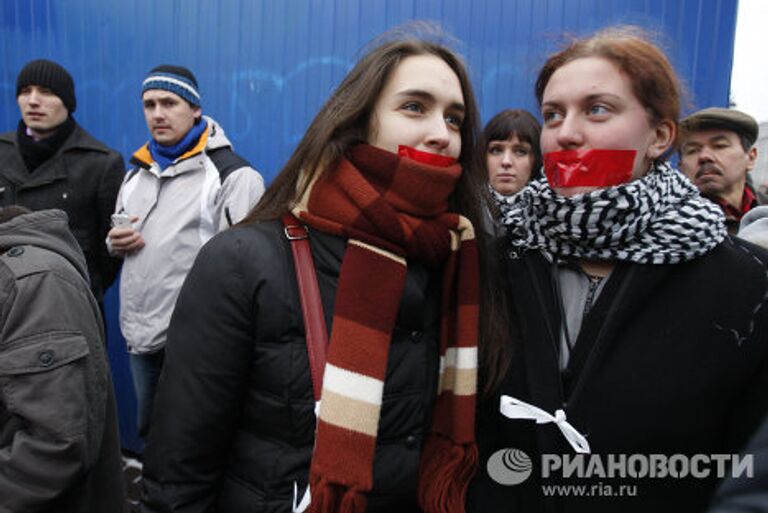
(751, 158)
(663, 136)
(198, 112)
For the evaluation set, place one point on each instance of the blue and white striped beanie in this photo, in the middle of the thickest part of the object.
(176, 79)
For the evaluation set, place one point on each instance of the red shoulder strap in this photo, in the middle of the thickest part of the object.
(309, 294)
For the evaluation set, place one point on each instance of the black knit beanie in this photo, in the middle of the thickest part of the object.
(45, 73)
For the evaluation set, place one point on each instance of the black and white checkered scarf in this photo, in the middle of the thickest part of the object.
(657, 219)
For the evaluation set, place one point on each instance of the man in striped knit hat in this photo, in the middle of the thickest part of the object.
(186, 185)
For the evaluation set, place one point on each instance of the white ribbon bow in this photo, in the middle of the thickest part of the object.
(516, 409)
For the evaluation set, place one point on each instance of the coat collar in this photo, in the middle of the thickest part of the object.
(15, 170)
(143, 157)
(213, 138)
(78, 139)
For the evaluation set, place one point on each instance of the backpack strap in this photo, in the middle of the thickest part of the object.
(311, 304)
(226, 161)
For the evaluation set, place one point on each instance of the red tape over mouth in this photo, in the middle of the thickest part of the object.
(432, 159)
(589, 168)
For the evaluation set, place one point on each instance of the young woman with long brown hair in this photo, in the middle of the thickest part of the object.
(386, 182)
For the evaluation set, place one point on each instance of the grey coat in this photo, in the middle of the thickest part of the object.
(59, 447)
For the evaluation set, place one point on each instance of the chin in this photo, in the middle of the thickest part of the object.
(507, 192)
(36, 125)
(165, 141)
(708, 190)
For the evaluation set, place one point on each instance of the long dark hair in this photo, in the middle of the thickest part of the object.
(344, 119)
(343, 122)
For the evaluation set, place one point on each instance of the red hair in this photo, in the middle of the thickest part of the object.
(652, 77)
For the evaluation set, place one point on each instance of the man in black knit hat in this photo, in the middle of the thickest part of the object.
(49, 161)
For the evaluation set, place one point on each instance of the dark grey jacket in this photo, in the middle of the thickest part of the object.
(82, 179)
(59, 447)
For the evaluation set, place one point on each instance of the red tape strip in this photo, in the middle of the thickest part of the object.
(433, 159)
(589, 168)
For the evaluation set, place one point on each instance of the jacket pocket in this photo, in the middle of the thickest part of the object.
(44, 381)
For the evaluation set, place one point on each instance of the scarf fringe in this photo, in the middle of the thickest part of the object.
(354, 501)
(329, 497)
(445, 473)
(325, 497)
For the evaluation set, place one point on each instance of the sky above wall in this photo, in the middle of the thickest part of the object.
(749, 79)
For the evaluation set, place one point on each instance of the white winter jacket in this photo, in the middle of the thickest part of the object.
(204, 191)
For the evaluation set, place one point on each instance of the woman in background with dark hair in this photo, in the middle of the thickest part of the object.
(512, 152)
(387, 183)
(642, 324)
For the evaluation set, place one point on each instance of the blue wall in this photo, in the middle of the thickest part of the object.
(265, 66)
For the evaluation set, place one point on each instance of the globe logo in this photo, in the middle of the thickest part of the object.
(509, 466)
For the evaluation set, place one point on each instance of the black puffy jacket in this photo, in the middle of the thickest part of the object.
(82, 178)
(233, 425)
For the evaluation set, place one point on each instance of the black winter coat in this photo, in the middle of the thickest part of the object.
(233, 424)
(670, 359)
(82, 179)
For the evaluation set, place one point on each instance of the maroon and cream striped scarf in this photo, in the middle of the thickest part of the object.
(392, 209)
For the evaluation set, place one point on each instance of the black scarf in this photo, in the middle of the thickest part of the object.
(657, 219)
(35, 153)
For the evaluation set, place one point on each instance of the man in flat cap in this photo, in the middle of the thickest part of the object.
(50, 161)
(716, 153)
(186, 185)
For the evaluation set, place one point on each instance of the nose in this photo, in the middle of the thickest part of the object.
(33, 97)
(570, 135)
(437, 136)
(506, 159)
(156, 112)
(705, 155)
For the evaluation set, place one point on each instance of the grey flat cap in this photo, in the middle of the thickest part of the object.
(717, 117)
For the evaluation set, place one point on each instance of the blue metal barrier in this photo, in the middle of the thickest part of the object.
(266, 66)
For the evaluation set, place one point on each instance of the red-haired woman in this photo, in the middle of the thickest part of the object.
(641, 326)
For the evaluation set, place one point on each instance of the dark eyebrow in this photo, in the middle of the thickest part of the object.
(429, 97)
(549, 104)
